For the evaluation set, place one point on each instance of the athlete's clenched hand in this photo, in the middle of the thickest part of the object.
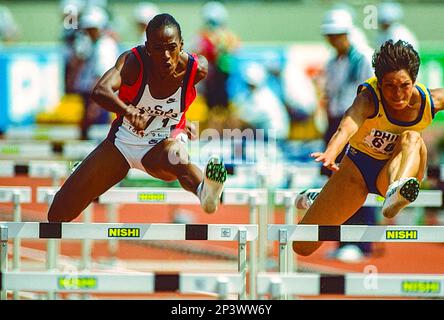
(138, 118)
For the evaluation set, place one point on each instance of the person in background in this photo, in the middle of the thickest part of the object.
(349, 67)
(259, 107)
(294, 88)
(217, 43)
(70, 36)
(390, 15)
(98, 51)
(9, 30)
(143, 13)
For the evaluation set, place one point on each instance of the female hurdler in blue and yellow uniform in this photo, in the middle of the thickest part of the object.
(385, 152)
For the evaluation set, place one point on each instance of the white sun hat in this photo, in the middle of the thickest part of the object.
(145, 11)
(336, 21)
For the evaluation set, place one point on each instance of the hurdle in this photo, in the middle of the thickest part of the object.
(285, 233)
(103, 231)
(44, 150)
(286, 197)
(221, 284)
(231, 196)
(46, 195)
(16, 195)
(36, 169)
(351, 284)
(54, 132)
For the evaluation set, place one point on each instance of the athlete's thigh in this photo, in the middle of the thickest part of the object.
(101, 169)
(382, 182)
(343, 194)
(165, 160)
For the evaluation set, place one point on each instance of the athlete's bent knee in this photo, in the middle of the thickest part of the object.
(410, 137)
(176, 153)
(304, 248)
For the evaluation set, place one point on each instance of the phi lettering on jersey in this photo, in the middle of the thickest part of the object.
(382, 141)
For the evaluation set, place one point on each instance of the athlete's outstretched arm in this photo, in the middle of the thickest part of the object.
(125, 71)
(353, 118)
(438, 98)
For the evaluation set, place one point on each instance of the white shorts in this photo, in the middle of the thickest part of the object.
(134, 152)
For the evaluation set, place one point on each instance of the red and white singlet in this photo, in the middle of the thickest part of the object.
(167, 116)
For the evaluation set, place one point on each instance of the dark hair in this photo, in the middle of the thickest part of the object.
(396, 56)
(162, 20)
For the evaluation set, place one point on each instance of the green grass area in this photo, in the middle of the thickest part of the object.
(259, 21)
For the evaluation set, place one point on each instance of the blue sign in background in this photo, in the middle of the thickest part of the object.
(31, 81)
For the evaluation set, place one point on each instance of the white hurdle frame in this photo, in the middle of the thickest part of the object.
(16, 195)
(231, 196)
(285, 234)
(286, 197)
(426, 198)
(221, 284)
(102, 231)
(54, 132)
(278, 285)
(44, 150)
(36, 169)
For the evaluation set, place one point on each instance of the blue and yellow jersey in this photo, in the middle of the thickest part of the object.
(378, 134)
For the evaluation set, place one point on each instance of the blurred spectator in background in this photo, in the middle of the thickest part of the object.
(258, 107)
(70, 13)
(217, 43)
(98, 52)
(9, 30)
(356, 35)
(349, 67)
(295, 89)
(390, 15)
(143, 13)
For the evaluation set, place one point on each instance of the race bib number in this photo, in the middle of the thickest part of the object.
(154, 134)
(381, 141)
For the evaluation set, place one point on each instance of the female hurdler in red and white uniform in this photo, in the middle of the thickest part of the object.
(156, 86)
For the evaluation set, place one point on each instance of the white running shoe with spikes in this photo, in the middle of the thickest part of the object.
(400, 194)
(213, 184)
(305, 199)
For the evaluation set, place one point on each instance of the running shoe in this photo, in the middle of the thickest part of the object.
(213, 184)
(400, 194)
(305, 199)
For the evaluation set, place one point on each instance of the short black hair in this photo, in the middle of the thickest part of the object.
(396, 56)
(162, 20)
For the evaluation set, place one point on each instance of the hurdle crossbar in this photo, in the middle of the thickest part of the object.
(34, 168)
(230, 196)
(351, 284)
(426, 198)
(357, 233)
(54, 132)
(74, 150)
(26, 149)
(129, 231)
(285, 233)
(188, 283)
(101, 231)
(21, 194)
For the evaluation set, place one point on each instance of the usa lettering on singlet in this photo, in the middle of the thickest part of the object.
(165, 114)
